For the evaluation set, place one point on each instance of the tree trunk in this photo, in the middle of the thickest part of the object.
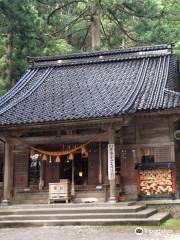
(95, 27)
(8, 72)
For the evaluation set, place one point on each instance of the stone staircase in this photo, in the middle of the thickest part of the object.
(79, 214)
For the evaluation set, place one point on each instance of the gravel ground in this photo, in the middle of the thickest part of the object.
(86, 233)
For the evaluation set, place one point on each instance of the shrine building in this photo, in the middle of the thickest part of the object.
(107, 123)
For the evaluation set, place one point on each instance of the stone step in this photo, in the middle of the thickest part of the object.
(155, 219)
(76, 209)
(159, 217)
(142, 214)
(69, 205)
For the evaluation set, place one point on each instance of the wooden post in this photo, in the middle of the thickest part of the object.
(41, 180)
(8, 174)
(72, 181)
(100, 164)
(111, 167)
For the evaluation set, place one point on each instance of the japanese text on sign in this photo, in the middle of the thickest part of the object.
(111, 161)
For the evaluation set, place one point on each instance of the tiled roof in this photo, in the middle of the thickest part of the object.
(93, 85)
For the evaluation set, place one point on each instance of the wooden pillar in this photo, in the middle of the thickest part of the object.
(41, 179)
(72, 180)
(111, 166)
(100, 164)
(8, 174)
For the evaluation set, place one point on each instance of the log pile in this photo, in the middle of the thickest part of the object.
(155, 182)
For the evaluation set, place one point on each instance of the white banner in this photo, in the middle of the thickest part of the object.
(111, 161)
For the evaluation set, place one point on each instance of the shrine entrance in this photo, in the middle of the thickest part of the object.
(80, 169)
(84, 165)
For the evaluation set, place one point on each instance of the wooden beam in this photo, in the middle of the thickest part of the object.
(17, 141)
(78, 138)
(175, 112)
(65, 139)
(75, 123)
(155, 144)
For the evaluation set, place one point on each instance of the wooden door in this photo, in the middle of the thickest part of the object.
(21, 169)
(93, 165)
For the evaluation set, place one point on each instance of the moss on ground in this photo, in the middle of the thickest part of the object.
(172, 223)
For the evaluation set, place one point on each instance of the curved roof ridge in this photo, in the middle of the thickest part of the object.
(96, 61)
(6, 95)
(100, 53)
(18, 87)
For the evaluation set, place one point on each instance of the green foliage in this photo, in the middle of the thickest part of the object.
(52, 27)
(56, 47)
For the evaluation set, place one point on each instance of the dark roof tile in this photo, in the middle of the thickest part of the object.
(93, 88)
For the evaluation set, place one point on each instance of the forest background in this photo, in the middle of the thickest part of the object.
(54, 27)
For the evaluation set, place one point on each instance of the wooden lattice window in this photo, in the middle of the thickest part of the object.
(156, 154)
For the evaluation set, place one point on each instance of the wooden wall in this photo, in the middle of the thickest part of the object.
(127, 156)
(1, 161)
(142, 134)
(177, 157)
(21, 168)
(1, 168)
(93, 165)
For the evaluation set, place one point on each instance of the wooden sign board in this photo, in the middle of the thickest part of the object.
(111, 161)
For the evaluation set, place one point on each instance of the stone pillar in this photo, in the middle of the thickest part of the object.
(8, 174)
(111, 167)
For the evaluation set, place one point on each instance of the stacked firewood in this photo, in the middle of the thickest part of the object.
(155, 182)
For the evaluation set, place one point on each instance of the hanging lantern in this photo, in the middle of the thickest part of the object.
(58, 159)
(84, 152)
(71, 156)
(80, 173)
(44, 157)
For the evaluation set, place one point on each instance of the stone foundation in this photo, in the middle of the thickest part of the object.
(166, 205)
(131, 191)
